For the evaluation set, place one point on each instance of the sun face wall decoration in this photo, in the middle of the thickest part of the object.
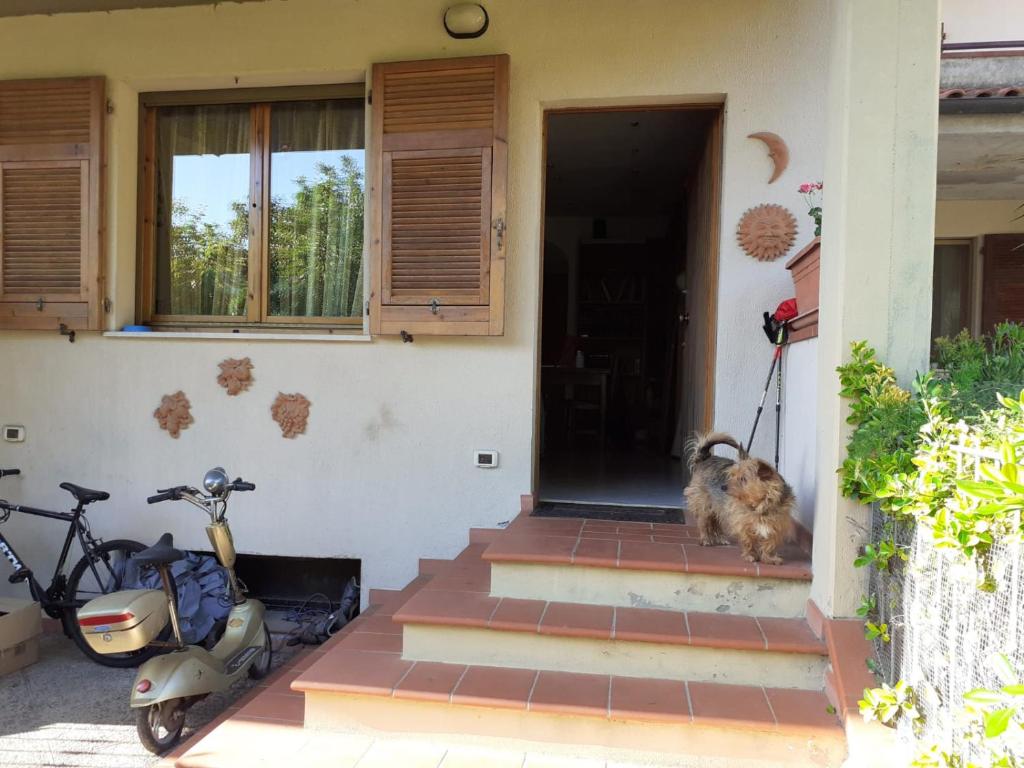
(766, 232)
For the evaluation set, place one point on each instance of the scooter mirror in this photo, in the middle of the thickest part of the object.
(216, 481)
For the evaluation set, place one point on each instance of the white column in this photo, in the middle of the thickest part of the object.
(877, 240)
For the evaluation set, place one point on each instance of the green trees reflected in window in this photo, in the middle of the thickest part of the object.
(209, 228)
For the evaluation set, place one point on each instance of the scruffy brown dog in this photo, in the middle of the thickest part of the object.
(745, 499)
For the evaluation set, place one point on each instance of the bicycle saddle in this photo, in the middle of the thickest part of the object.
(85, 495)
(161, 553)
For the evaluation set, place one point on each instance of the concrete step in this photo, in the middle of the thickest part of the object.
(475, 628)
(349, 689)
(641, 565)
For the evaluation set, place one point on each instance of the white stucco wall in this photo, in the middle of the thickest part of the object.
(385, 471)
(974, 21)
(799, 427)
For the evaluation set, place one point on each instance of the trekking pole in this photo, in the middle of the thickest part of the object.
(764, 396)
(778, 398)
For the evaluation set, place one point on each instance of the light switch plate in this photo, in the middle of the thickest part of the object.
(13, 433)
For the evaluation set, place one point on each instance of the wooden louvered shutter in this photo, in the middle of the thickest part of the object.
(51, 141)
(440, 156)
(1003, 280)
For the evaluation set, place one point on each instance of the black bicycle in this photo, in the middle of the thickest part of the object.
(100, 571)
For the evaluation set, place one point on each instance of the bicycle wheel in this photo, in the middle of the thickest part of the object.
(109, 560)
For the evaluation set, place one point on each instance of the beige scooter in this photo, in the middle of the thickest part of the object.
(167, 685)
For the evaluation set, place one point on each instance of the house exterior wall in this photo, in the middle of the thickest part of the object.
(975, 21)
(976, 218)
(384, 472)
(800, 397)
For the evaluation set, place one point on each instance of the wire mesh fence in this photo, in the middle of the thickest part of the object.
(943, 629)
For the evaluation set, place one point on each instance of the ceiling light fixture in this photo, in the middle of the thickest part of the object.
(466, 20)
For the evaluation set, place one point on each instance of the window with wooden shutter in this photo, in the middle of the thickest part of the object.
(1002, 280)
(440, 161)
(51, 141)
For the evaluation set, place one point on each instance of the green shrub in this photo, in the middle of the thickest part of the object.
(902, 454)
(886, 418)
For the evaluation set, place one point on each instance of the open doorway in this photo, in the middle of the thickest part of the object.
(630, 268)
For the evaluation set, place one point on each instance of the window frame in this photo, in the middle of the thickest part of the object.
(970, 276)
(260, 101)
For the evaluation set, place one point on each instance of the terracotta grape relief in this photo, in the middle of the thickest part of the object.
(174, 413)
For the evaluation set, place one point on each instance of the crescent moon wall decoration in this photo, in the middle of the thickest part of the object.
(766, 232)
(777, 151)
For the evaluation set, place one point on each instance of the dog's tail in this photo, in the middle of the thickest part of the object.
(699, 447)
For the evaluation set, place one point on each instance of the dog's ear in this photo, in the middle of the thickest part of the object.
(764, 470)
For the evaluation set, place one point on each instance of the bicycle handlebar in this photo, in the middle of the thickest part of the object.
(167, 494)
(174, 494)
(8, 472)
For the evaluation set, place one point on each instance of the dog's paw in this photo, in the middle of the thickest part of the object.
(749, 557)
(706, 542)
(771, 559)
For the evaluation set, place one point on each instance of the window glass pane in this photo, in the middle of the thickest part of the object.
(202, 211)
(316, 209)
(951, 289)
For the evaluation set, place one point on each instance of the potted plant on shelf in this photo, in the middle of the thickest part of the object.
(804, 269)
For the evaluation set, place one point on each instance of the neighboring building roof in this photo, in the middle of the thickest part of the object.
(981, 93)
(29, 7)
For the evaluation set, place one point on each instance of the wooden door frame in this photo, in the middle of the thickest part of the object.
(716, 129)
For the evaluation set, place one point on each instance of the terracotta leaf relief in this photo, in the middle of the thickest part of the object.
(235, 375)
(291, 412)
(766, 232)
(174, 413)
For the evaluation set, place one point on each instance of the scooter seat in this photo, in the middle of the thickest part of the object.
(161, 553)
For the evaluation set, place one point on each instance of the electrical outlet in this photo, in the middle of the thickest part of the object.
(486, 459)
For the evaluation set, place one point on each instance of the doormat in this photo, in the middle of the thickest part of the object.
(610, 512)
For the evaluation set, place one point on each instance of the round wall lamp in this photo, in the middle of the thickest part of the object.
(466, 20)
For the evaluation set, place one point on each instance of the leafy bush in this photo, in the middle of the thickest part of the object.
(886, 418)
(905, 453)
(902, 454)
(978, 370)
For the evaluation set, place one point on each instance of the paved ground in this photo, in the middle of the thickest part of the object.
(67, 711)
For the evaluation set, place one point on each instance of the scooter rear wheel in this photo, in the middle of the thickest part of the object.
(261, 666)
(109, 560)
(159, 725)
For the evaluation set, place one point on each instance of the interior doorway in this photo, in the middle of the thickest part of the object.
(630, 264)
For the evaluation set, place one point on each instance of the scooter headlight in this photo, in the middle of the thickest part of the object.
(216, 481)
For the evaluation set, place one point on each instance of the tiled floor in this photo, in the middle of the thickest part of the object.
(635, 478)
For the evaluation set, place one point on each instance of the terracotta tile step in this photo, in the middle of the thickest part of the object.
(634, 546)
(582, 695)
(644, 625)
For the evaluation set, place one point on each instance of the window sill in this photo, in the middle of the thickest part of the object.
(250, 336)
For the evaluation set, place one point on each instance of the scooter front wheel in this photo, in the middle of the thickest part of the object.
(159, 725)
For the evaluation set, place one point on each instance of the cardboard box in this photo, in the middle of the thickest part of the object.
(20, 627)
